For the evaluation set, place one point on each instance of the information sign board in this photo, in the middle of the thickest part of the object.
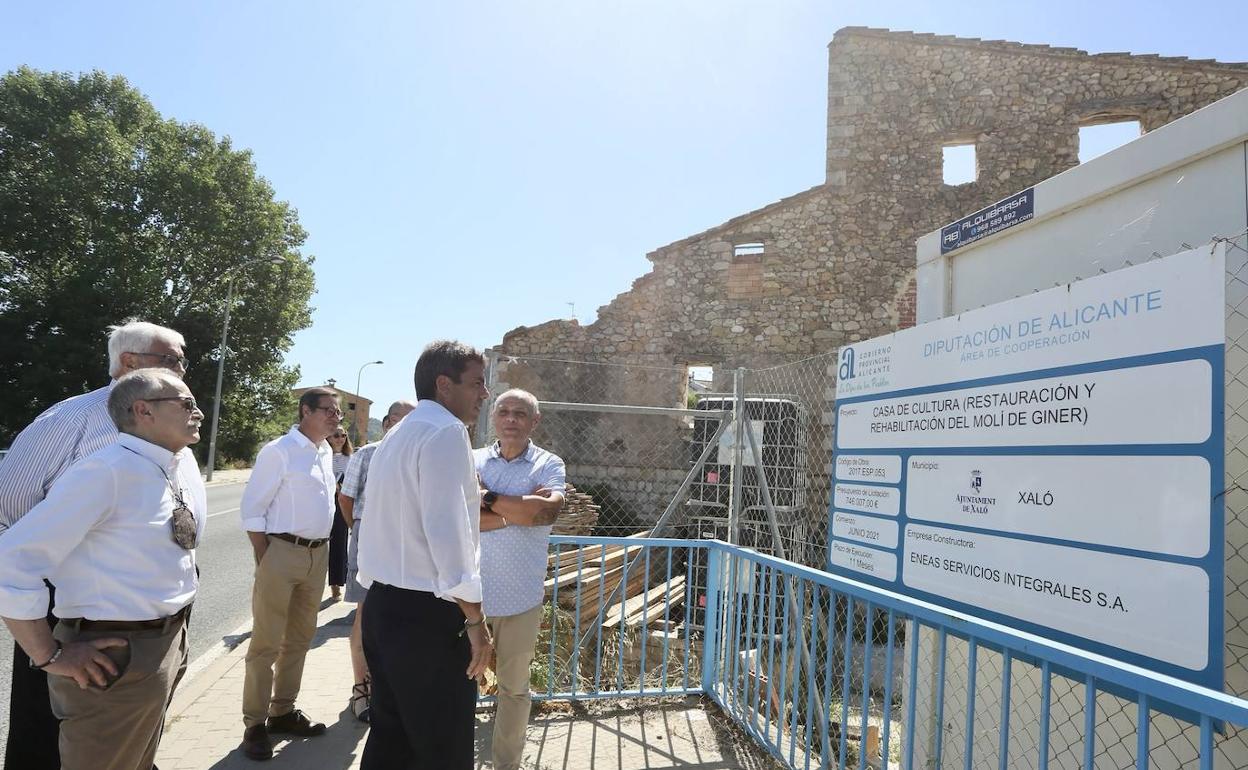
(1002, 215)
(1053, 463)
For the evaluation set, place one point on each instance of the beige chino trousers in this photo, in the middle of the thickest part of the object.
(514, 639)
(119, 728)
(290, 581)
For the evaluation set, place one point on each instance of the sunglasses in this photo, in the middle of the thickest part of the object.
(337, 435)
(187, 402)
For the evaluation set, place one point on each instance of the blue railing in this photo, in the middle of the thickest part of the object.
(826, 672)
(617, 620)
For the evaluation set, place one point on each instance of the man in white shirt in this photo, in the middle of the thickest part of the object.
(287, 510)
(63, 434)
(351, 501)
(116, 535)
(425, 636)
(521, 494)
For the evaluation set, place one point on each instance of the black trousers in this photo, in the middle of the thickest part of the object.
(338, 550)
(33, 731)
(423, 704)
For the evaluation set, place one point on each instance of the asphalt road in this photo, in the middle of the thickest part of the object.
(224, 601)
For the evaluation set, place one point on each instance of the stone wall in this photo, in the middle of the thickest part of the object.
(837, 263)
(838, 259)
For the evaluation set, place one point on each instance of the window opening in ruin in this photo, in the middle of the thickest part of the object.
(960, 166)
(1100, 138)
(699, 379)
(747, 249)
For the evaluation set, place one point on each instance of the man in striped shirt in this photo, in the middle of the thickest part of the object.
(65, 433)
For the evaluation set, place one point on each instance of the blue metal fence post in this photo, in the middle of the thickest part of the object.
(710, 635)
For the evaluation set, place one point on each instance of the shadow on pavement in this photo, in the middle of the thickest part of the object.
(337, 748)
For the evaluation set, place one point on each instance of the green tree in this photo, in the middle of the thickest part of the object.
(109, 211)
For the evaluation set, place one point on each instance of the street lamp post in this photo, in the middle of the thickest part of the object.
(225, 331)
(355, 422)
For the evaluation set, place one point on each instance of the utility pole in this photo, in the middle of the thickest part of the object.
(225, 332)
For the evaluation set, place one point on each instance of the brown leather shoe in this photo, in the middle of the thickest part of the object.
(256, 744)
(295, 723)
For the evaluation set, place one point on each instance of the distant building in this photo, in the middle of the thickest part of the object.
(354, 406)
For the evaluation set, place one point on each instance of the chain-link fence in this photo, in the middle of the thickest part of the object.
(638, 440)
(621, 431)
(647, 453)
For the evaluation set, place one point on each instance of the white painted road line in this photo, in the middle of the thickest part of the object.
(214, 652)
(222, 513)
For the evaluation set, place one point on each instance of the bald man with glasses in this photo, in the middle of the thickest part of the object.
(117, 535)
(64, 434)
(287, 510)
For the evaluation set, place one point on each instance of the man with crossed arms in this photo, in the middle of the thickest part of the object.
(521, 494)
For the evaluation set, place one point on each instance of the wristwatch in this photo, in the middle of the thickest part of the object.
(489, 498)
(469, 624)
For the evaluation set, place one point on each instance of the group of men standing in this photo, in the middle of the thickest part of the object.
(102, 505)
(453, 551)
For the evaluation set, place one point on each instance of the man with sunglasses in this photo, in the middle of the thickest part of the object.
(287, 510)
(65, 433)
(117, 536)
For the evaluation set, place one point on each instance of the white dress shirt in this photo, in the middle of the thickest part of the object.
(103, 536)
(423, 530)
(65, 433)
(291, 489)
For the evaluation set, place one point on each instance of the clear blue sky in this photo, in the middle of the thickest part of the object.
(463, 168)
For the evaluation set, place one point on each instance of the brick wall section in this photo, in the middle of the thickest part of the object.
(907, 305)
(745, 277)
(838, 264)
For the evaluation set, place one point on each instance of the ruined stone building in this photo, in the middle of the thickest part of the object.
(836, 263)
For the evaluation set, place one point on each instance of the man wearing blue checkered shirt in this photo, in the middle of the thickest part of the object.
(521, 494)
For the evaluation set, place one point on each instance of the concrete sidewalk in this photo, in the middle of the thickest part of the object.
(205, 723)
(228, 476)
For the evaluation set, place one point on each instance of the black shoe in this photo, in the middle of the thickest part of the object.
(256, 744)
(295, 723)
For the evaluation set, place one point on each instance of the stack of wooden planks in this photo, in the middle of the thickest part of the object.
(579, 515)
(585, 580)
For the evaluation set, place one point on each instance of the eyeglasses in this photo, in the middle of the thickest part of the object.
(335, 411)
(166, 359)
(187, 402)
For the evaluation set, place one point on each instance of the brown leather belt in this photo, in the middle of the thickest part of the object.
(163, 624)
(303, 541)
